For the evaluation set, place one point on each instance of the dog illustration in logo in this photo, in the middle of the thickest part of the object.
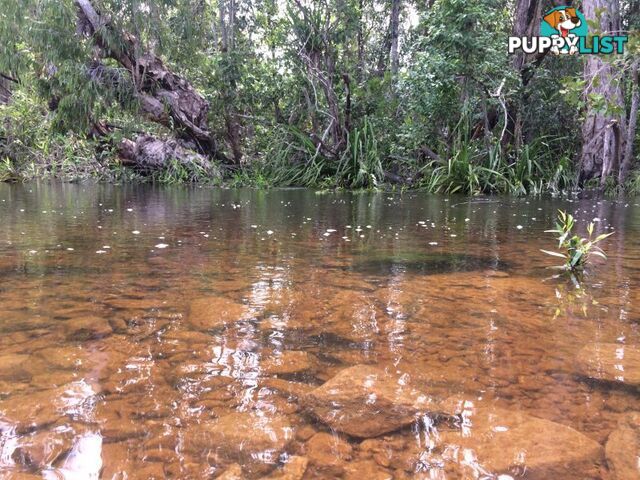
(564, 20)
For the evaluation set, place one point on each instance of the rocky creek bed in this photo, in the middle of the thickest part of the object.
(204, 346)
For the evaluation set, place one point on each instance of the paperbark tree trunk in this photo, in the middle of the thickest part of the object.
(394, 28)
(360, 41)
(227, 15)
(627, 159)
(389, 52)
(603, 133)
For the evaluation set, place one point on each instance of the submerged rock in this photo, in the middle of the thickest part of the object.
(249, 439)
(127, 303)
(65, 357)
(42, 449)
(328, 453)
(84, 460)
(87, 328)
(14, 366)
(294, 469)
(291, 389)
(366, 469)
(233, 472)
(364, 401)
(611, 362)
(26, 412)
(287, 362)
(352, 316)
(494, 441)
(623, 449)
(212, 312)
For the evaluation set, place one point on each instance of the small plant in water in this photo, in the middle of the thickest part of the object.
(576, 250)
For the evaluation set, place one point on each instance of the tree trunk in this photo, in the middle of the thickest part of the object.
(227, 13)
(526, 24)
(5, 91)
(360, 40)
(389, 50)
(5, 87)
(164, 97)
(603, 133)
(627, 159)
(394, 27)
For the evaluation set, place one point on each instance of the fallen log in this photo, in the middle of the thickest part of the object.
(146, 153)
(164, 97)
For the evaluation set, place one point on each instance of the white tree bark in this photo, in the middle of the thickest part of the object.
(603, 133)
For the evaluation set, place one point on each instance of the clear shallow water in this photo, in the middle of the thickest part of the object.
(135, 322)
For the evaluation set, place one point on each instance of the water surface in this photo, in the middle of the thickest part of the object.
(135, 320)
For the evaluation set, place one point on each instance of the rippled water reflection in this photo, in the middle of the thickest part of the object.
(183, 333)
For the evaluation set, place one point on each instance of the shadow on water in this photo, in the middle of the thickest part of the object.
(425, 264)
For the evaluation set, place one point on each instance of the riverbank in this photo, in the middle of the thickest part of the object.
(436, 178)
(30, 151)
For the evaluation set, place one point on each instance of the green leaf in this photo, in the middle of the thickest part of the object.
(602, 237)
(554, 254)
(576, 258)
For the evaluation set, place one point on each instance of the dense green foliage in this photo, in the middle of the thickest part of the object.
(330, 93)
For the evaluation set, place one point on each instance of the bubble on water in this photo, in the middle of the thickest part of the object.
(466, 219)
(33, 252)
(453, 235)
(99, 252)
(106, 247)
(129, 209)
(70, 249)
(269, 232)
(433, 244)
(254, 226)
(519, 227)
(330, 230)
(162, 245)
(136, 232)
